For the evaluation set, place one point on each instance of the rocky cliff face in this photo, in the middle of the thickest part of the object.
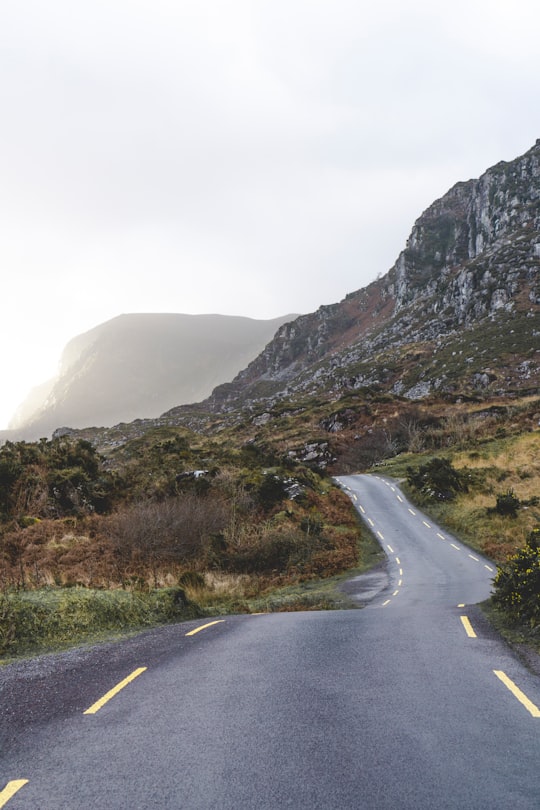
(467, 285)
(472, 249)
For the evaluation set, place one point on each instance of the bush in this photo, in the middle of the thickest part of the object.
(517, 584)
(437, 479)
(507, 504)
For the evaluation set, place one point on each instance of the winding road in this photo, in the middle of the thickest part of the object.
(411, 702)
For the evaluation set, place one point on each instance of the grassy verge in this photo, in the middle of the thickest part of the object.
(520, 637)
(57, 618)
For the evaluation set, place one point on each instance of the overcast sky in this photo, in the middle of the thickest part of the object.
(242, 157)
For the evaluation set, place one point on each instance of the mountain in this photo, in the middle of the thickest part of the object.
(455, 320)
(139, 365)
(457, 315)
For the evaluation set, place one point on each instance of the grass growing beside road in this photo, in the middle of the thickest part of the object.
(505, 470)
(56, 618)
(492, 468)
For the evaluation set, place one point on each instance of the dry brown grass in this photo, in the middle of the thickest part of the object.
(500, 466)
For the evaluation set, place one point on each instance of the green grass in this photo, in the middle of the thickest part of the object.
(56, 618)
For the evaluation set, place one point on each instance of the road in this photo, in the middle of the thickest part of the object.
(396, 705)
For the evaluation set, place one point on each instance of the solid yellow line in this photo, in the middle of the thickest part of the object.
(95, 707)
(468, 626)
(203, 627)
(523, 699)
(11, 789)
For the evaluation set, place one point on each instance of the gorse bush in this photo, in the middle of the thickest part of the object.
(517, 584)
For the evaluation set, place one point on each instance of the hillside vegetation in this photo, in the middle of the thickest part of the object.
(151, 521)
(242, 517)
(431, 373)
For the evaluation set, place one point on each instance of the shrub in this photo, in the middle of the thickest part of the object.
(517, 584)
(507, 504)
(437, 479)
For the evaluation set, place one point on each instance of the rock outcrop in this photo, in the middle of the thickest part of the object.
(459, 311)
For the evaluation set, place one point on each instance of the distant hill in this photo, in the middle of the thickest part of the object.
(140, 365)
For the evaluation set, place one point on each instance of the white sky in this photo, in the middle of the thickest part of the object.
(244, 157)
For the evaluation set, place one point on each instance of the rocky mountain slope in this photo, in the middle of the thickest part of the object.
(458, 313)
(140, 365)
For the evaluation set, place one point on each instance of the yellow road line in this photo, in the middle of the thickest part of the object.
(523, 699)
(95, 707)
(381, 535)
(397, 560)
(399, 499)
(426, 524)
(411, 511)
(362, 509)
(386, 603)
(369, 520)
(11, 789)
(400, 582)
(390, 549)
(473, 557)
(204, 626)
(488, 568)
(440, 535)
(395, 593)
(468, 626)
(462, 604)
(454, 546)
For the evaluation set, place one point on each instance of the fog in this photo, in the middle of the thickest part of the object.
(238, 158)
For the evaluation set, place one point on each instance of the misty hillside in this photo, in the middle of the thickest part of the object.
(140, 365)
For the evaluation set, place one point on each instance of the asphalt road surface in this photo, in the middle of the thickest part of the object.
(411, 702)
